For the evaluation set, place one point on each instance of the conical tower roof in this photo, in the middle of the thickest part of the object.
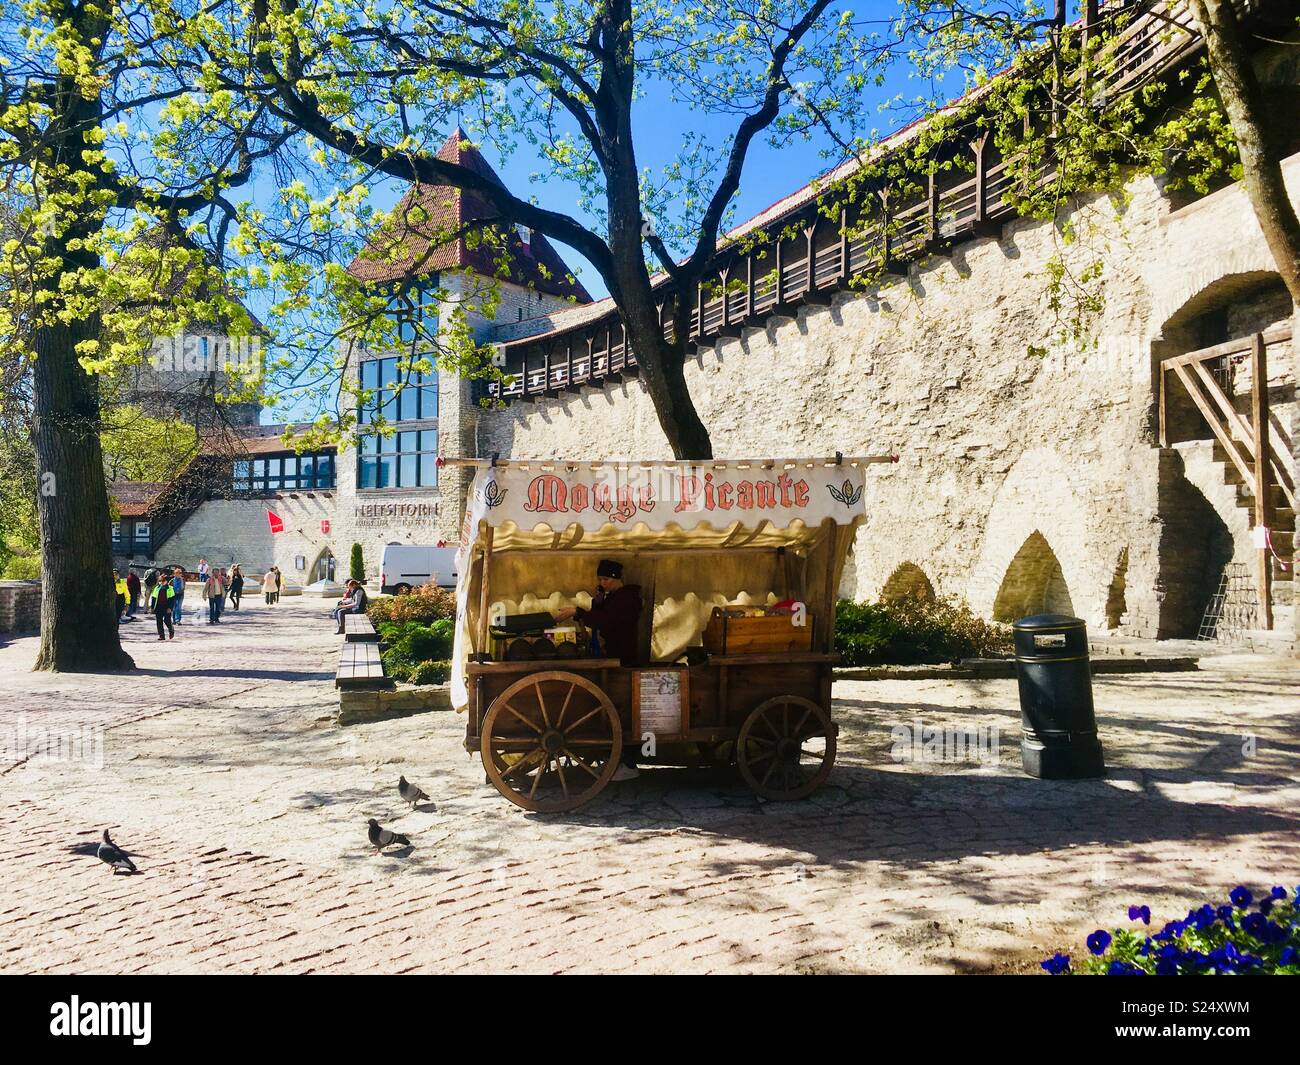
(434, 213)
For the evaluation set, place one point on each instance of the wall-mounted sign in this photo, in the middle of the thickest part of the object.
(384, 515)
(299, 561)
(325, 526)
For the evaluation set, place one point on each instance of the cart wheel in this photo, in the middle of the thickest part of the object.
(786, 747)
(551, 741)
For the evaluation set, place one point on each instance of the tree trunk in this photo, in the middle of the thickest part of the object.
(662, 368)
(78, 612)
(1261, 156)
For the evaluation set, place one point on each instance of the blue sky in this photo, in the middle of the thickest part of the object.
(659, 127)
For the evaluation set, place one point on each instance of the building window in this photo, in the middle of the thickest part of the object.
(400, 395)
(141, 532)
(403, 460)
(117, 532)
(285, 472)
(415, 310)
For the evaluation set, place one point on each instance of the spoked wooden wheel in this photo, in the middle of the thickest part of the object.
(551, 741)
(786, 747)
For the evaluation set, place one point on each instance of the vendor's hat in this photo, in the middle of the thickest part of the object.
(609, 568)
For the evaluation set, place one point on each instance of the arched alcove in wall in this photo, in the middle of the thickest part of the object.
(1116, 602)
(1033, 584)
(908, 581)
(324, 568)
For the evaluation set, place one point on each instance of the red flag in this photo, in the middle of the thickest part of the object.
(276, 522)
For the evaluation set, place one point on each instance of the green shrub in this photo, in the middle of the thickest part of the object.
(911, 631)
(22, 568)
(357, 565)
(413, 644)
(430, 673)
(425, 604)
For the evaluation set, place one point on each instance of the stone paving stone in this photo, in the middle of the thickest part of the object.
(222, 769)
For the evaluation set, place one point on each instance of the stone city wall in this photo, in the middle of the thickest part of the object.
(1029, 474)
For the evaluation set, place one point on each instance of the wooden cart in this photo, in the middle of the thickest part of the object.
(551, 732)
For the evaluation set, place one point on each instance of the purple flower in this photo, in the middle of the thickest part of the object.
(1172, 930)
(1254, 923)
(1224, 912)
(1167, 967)
(1265, 906)
(1203, 918)
(1057, 964)
(1288, 957)
(1240, 897)
(1098, 942)
(1144, 912)
(1124, 968)
(1145, 949)
(1278, 893)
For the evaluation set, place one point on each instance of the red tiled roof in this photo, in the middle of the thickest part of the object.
(134, 498)
(441, 209)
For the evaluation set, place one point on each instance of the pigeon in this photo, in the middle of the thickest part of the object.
(113, 855)
(409, 792)
(382, 837)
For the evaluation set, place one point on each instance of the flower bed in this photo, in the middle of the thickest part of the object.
(418, 630)
(1228, 940)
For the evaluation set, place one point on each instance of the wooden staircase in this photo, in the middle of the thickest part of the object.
(1281, 559)
(1253, 456)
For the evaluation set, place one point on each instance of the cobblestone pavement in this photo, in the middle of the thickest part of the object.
(217, 763)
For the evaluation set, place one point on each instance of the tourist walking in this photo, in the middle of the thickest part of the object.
(150, 582)
(163, 604)
(119, 586)
(268, 586)
(212, 592)
(203, 569)
(279, 582)
(178, 599)
(132, 593)
(236, 585)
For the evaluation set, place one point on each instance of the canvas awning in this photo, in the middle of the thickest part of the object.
(692, 535)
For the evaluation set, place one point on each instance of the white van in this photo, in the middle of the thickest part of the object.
(406, 566)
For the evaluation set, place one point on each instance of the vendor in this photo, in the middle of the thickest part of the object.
(615, 614)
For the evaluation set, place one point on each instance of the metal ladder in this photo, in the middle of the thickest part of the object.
(1233, 608)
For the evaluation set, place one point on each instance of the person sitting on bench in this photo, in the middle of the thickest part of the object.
(354, 603)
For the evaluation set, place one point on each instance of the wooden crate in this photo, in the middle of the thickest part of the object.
(733, 632)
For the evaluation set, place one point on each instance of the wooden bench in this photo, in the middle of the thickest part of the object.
(360, 667)
(358, 629)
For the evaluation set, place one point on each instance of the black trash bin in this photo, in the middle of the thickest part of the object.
(1059, 739)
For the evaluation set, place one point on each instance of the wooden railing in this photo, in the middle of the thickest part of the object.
(1248, 444)
(1144, 39)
